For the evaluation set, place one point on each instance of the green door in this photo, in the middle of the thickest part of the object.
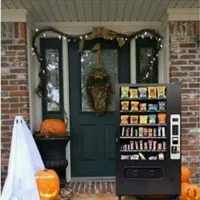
(93, 138)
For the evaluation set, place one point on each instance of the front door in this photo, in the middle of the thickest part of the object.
(93, 138)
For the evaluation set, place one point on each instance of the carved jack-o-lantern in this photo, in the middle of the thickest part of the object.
(48, 184)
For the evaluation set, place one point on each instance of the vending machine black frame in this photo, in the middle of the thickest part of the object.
(150, 177)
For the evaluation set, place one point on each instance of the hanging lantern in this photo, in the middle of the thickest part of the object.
(48, 184)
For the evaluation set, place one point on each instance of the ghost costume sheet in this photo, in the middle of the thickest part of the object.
(24, 162)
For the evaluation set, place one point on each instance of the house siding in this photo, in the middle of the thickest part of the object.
(185, 69)
(14, 84)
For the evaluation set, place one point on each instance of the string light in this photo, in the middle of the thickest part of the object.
(156, 55)
(151, 61)
(33, 53)
(111, 38)
(149, 54)
(81, 37)
(161, 46)
(151, 37)
(126, 39)
(142, 36)
(36, 30)
(86, 36)
(145, 33)
(64, 38)
(69, 40)
(59, 37)
(74, 40)
(159, 39)
(154, 59)
(44, 34)
(32, 49)
(136, 37)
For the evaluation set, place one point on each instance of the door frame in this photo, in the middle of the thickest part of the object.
(76, 28)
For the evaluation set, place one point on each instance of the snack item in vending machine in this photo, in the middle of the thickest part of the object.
(145, 146)
(161, 156)
(150, 132)
(142, 156)
(133, 93)
(136, 145)
(124, 105)
(162, 105)
(143, 107)
(134, 119)
(152, 119)
(123, 130)
(162, 118)
(159, 146)
(159, 131)
(161, 92)
(152, 92)
(127, 132)
(142, 92)
(153, 107)
(154, 145)
(143, 119)
(136, 132)
(124, 92)
(164, 145)
(153, 158)
(154, 132)
(134, 157)
(131, 132)
(163, 131)
(129, 146)
(141, 131)
(134, 105)
(145, 132)
(125, 147)
(124, 119)
(150, 142)
(124, 157)
(132, 145)
(141, 144)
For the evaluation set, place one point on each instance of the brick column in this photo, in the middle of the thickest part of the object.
(185, 69)
(14, 84)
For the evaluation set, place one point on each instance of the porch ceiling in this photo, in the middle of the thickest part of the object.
(97, 10)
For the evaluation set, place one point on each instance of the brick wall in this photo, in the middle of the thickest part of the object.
(14, 82)
(185, 69)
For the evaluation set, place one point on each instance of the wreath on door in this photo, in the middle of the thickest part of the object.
(98, 87)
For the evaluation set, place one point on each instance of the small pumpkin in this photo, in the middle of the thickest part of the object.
(189, 192)
(186, 174)
(193, 192)
(53, 126)
(48, 184)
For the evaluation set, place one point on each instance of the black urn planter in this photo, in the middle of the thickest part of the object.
(52, 151)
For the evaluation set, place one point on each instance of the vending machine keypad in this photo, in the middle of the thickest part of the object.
(175, 137)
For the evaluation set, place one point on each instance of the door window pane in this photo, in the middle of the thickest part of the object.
(144, 50)
(88, 61)
(52, 78)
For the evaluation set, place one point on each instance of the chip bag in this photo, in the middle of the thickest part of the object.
(133, 93)
(143, 107)
(124, 92)
(143, 119)
(153, 107)
(161, 92)
(152, 119)
(134, 119)
(162, 118)
(134, 105)
(124, 105)
(152, 92)
(142, 92)
(162, 105)
(124, 119)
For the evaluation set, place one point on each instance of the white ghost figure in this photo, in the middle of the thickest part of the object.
(24, 162)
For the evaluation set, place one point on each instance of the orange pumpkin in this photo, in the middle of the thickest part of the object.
(55, 126)
(48, 184)
(189, 192)
(186, 174)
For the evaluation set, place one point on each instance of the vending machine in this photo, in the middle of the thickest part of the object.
(148, 139)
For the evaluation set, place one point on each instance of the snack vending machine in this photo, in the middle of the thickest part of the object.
(148, 140)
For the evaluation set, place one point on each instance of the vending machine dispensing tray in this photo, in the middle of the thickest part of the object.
(148, 139)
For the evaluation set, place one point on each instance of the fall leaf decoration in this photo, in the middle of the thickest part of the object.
(99, 90)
